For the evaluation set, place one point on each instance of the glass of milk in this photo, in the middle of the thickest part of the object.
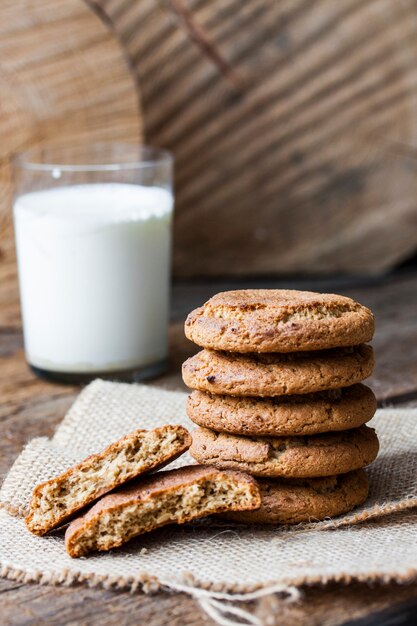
(93, 238)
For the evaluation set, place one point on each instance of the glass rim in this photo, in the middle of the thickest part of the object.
(152, 156)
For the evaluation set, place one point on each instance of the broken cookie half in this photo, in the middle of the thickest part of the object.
(175, 496)
(57, 500)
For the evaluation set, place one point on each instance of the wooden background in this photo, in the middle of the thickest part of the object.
(290, 121)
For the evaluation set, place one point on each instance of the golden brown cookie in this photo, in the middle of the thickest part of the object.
(279, 320)
(269, 375)
(291, 501)
(326, 454)
(57, 500)
(309, 414)
(172, 497)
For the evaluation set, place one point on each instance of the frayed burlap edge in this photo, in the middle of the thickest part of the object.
(218, 601)
(151, 584)
(218, 604)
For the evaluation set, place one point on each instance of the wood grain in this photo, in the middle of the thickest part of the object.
(287, 120)
(30, 407)
(63, 79)
(33, 605)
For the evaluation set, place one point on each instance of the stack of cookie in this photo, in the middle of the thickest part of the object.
(278, 394)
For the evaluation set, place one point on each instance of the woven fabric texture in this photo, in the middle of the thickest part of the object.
(376, 542)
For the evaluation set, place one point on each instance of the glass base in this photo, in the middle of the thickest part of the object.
(129, 376)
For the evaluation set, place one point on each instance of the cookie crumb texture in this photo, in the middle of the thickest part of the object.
(296, 457)
(279, 320)
(58, 499)
(334, 410)
(176, 496)
(292, 501)
(266, 375)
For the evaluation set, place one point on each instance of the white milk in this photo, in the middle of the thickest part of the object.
(94, 265)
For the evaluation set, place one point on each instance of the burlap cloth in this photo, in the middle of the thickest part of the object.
(378, 542)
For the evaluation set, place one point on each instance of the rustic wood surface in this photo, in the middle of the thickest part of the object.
(63, 78)
(284, 118)
(30, 407)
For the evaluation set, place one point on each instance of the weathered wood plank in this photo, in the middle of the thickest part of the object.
(80, 606)
(32, 605)
(284, 118)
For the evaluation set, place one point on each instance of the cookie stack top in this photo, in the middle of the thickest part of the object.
(279, 320)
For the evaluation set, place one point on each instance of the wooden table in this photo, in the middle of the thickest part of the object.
(30, 407)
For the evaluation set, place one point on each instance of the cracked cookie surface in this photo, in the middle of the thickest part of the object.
(326, 454)
(258, 375)
(292, 501)
(335, 410)
(278, 320)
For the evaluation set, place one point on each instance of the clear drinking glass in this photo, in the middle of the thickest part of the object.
(93, 238)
